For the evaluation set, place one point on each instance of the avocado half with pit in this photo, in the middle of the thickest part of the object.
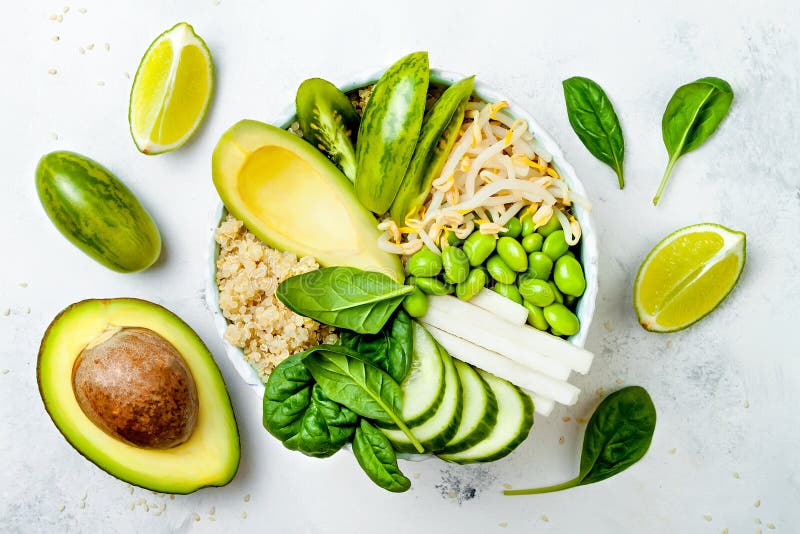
(294, 199)
(134, 390)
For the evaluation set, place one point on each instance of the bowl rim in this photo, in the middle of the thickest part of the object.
(589, 248)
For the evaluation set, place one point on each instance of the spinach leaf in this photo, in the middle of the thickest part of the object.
(693, 114)
(389, 350)
(345, 297)
(617, 436)
(377, 458)
(593, 118)
(358, 385)
(327, 425)
(287, 395)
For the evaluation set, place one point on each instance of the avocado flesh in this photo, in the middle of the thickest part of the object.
(209, 457)
(294, 199)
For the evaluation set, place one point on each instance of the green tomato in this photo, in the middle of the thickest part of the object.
(561, 319)
(472, 285)
(537, 292)
(424, 263)
(555, 245)
(535, 316)
(568, 276)
(433, 286)
(512, 253)
(532, 242)
(478, 247)
(500, 271)
(514, 228)
(416, 303)
(509, 291)
(539, 265)
(550, 226)
(456, 265)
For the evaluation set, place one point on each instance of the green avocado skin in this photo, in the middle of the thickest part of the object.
(96, 212)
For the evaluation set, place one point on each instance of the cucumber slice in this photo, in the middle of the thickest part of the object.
(514, 422)
(480, 410)
(439, 429)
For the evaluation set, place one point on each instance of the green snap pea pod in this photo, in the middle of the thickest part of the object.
(456, 265)
(424, 263)
(535, 316)
(499, 270)
(417, 181)
(512, 253)
(550, 226)
(528, 226)
(561, 319)
(470, 287)
(509, 291)
(478, 247)
(540, 265)
(433, 286)
(532, 242)
(568, 276)
(555, 245)
(559, 296)
(514, 228)
(416, 303)
(537, 292)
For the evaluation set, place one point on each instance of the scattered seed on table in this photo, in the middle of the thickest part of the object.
(545, 518)
(172, 497)
(61, 508)
(673, 450)
(212, 518)
(108, 47)
(247, 498)
(101, 83)
(66, 9)
(600, 392)
(608, 326)
(4, 371)
(561, 440)
(758, 520)
(771, 526)
(736, 474)
(212, 510)
(669, 344)
(196, 516)
(82, 10)
(7, 312)
(707, 517)
(757, 503)
(52, 72)
(566, 419)
(54, 136)
(90, 46)
(53, 17)
(55, 38)
(244, 515)
(82, 505)
(580, 420)
(746, 403)
(507, 486)
(502, 524)
(619, 381)
(59, 18)
(81, 50)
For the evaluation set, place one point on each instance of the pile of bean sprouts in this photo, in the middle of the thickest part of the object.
(495, 171)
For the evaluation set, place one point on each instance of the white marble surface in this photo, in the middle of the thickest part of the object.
(726, 389)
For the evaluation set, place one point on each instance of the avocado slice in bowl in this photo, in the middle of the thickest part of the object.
(135, 391)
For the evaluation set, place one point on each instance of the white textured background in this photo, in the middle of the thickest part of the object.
(726, 389)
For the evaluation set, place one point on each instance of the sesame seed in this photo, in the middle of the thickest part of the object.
(196, 516)
(561, 440)
(52, 72)
(55, 38)
(452, 494)
(66, 9)
(544, 518)
(600, 392)
(619, 381)
(607, 326)
(90, 46)
(244, 515)
(757, 503)
(707, 517)
(771, 526)
(507, 486)
(566, 419)
(580, 420)
(247, 497)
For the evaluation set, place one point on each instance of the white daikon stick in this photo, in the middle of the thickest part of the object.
(501, 306)
(500, 366)
(523, 344)
(541, 405)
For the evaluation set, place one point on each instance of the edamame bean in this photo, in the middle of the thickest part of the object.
(540, 265)
(532, 242)
(535, 316)
(456, 265)
(568, 276)
(528, 226)
(478, 247)
(561, 319)
(514, 228)
(499, 270)
(416, 303)
(555, 245)
(452, 239)
(556, 333)
(425, 263)
(433, 286)
(559, 297)
(569, 301)
(537, 292)
(509, 291)
(512, 253)
(470, 287)
(570, 254)
(550, 226)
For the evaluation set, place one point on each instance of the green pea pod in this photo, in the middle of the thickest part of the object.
(329, 121)
(417, 181)
(96, 212)
(389, 131)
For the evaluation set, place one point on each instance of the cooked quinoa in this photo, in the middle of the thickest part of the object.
(248, 273)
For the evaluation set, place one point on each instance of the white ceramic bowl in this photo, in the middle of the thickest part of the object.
(586, 305)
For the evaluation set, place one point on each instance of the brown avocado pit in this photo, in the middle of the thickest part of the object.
(136, 386)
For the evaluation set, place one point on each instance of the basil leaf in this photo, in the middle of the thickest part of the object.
(377, 458)
(326, 426)
(287, 395)
(389, 350)
(693, 114)
(358, 385)
(617, 436)
(594, 120)
(345, 297)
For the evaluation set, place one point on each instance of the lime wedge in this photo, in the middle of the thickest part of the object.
(687, 275)
(171, 90)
